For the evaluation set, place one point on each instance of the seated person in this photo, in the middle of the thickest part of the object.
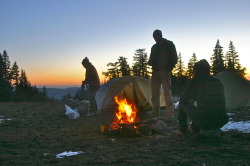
(203, 102)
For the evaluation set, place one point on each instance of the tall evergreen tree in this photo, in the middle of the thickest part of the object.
(112, 72)
(179, 78)
(217, 59)
(179, 70)
(6, 66)
(6, 92)
(24, 80)
(15, 73)
(232, 62)
(140, 67)
(191, 63)
(1, 66)
(241, 71)
(24, 91)
(118, 69)
(124, 69)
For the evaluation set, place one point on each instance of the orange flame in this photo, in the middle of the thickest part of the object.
(126, 113)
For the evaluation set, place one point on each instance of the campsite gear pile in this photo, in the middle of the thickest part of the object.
(72, 113)
(75, 107)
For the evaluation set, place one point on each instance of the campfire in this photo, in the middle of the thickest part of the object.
(128, 123)
(126, 113)
(125, 119)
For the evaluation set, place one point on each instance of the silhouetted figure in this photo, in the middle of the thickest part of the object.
(163, 58)
(203, 101)
(91, 81)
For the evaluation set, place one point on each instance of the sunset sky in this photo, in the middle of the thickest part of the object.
(49, 38)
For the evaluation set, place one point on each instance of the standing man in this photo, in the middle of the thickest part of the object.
(91, 81)
(163, 58)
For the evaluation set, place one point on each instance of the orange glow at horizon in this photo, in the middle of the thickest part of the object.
(59, 79)
(53, 81)
(64, 80)
(247, 76)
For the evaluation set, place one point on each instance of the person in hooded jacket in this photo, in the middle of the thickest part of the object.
(203, 102)
(163, 58)
(92, 82)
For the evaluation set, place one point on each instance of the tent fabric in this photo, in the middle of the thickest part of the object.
(237, 90)
(132, 88)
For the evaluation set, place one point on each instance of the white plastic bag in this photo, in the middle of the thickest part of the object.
(73, 114)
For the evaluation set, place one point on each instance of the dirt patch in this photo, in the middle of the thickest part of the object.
(37, 132)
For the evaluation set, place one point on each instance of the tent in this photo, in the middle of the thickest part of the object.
(237, 90)
(132, 88)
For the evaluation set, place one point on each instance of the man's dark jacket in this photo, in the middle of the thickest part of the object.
(163, 56)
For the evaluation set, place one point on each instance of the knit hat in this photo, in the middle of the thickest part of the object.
(202, 67)
(85, 61)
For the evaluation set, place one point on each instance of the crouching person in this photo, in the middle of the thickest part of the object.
(203, 102)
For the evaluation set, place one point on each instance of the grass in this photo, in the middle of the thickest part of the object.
(37, 132)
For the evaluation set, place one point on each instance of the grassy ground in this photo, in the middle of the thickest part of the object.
(37, 132)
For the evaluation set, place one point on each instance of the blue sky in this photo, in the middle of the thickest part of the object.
(49, 38)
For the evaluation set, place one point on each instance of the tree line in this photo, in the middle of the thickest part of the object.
(181, 74)
(14, 85)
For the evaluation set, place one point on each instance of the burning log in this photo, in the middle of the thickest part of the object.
(146, 127)
(121, 129)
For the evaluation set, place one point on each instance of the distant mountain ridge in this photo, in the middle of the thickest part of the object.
(58, 93)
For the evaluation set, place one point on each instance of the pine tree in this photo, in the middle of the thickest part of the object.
(15, 73)
(23, 80)
(232, 62)
(179, 79)
(124, 69)
(179, 70)
(140, 67)
(217, 59)
(191, 63)
(6, 67)
(1, 66)
(10, 75)
(112, 72)
(232, 58)
(24, 91)
(6, 92)
(241, 71)
(118, 69)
